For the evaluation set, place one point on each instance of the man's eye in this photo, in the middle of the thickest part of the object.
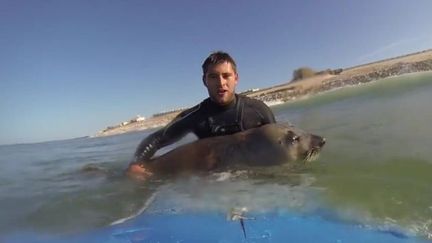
(226, 76)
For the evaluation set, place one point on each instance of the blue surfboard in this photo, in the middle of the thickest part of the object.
(165, 217)
(214, 227)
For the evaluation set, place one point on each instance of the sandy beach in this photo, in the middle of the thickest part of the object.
(416, 62)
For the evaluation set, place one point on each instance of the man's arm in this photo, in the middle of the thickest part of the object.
(170, 134)
(148, 146)
(159, 139)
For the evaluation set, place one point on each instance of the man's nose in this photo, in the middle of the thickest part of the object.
(221, 81)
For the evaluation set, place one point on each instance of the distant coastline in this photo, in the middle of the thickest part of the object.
(321, 82)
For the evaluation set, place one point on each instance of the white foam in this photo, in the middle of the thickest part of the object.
(140, 211)
(224, 191)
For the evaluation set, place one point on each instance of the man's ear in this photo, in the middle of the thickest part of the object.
(204, 81)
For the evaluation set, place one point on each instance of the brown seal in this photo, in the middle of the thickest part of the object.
(270, 144)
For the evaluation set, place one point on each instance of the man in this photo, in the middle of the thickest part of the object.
(223, 113)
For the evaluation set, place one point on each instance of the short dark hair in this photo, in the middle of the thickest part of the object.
(218, 57)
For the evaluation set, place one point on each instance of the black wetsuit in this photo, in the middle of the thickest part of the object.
(207, 119)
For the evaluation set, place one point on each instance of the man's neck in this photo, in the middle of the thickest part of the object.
(227, 105)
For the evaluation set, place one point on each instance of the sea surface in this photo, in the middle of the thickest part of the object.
(375, 170)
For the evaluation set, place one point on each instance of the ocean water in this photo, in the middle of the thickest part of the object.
(375, 170)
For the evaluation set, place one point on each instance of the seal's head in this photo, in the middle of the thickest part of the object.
(303, 146)
(281, 143)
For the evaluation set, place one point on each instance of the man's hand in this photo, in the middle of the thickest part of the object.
(138, 171)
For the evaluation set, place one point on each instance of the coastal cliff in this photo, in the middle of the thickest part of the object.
(417, 62)
(306, 86)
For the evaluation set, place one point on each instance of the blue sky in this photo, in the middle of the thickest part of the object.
(71, 68)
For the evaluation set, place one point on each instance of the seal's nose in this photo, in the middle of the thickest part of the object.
(323, 141)
(317, 141)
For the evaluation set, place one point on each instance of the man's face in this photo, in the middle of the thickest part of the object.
(221, 80)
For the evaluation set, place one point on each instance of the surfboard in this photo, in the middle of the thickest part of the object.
(225, 208)
(215, 227)
(238, 225)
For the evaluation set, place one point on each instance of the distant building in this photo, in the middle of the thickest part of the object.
(249, 91)
(138, 118)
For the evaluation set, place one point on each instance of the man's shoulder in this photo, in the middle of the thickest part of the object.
(252, 102)
(195, 109)
(190, 111)
(259, 108)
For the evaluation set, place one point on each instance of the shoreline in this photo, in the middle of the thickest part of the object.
(306, 88)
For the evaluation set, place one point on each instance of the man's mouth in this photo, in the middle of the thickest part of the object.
(221, 92)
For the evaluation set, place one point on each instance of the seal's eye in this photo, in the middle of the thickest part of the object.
(295, 139)
(292, 137)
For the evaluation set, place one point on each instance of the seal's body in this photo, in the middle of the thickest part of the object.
(270, 144)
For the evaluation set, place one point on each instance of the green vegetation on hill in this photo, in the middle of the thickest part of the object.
(302, 73)
(307, 72)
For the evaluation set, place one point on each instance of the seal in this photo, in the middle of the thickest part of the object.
(271, 144)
